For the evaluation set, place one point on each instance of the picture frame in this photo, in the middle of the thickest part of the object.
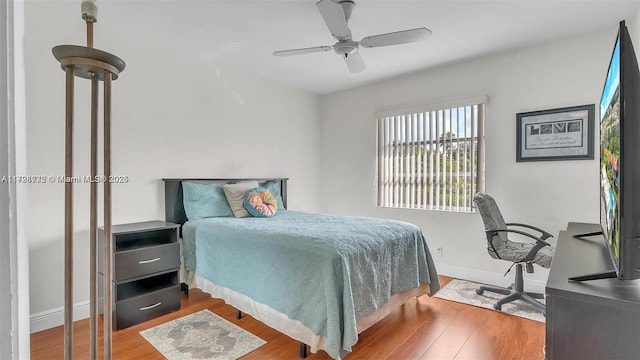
(555, 134)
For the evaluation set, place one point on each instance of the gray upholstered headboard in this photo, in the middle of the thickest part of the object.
(174, 209)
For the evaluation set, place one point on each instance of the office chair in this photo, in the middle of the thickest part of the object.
(500, 247)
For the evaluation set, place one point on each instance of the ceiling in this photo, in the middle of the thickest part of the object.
(244, 33)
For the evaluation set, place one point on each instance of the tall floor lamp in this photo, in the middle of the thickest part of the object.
(95, 65)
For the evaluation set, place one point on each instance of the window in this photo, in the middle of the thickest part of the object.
(431, 157)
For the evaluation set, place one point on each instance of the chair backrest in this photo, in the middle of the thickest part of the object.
(493, 220)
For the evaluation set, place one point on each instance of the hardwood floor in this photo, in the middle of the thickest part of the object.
(423, 328)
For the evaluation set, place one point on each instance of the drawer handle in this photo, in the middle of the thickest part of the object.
(148, 261)
(150, 306)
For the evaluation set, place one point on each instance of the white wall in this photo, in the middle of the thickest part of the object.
(634, 29)
(14, 261)
(548, 194)
(174, 115)
(22, 261)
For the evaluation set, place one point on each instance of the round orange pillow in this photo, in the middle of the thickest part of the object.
(260, 202)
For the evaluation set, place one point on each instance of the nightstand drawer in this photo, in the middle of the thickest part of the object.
(141, 308)
(144, 261)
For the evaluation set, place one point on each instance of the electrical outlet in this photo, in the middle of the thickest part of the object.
(439, 251)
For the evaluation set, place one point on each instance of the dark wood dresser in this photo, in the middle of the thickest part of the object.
(145, 262)
(597, 319)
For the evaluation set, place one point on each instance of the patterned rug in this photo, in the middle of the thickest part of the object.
(465, 292)
(202, 335)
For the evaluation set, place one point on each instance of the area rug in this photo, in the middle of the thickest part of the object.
(465, 292)
(202, 335)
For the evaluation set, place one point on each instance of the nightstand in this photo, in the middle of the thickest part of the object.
(145, 262)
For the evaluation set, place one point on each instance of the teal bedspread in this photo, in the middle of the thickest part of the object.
(322, 270)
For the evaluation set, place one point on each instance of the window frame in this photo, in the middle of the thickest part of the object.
(402, 180)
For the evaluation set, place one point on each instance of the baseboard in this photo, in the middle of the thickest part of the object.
(55, 317)
(486, 277)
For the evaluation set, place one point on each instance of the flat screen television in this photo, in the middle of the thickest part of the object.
(620, 161)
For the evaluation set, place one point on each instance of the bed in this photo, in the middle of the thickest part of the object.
(320, 279)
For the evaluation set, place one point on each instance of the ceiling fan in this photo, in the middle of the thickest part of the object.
(336, 14)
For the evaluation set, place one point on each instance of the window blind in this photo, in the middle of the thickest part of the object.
(431, 159)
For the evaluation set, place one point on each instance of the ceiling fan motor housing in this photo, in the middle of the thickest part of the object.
(345, 47)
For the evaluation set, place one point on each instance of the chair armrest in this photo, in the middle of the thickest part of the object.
(540, 243)
(545, 235)
(534, 250)
(536, 238)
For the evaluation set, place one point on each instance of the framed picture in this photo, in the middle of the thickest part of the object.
(556, 134)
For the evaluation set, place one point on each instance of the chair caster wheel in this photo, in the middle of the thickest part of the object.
(479, 291)
(497, 307)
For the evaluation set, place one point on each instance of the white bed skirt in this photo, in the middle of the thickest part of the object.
(281, 322)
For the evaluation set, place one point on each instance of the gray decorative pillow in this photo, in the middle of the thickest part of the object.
(235, 196)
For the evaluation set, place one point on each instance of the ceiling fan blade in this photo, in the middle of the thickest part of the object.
(302, 51)
(355, 63)
(333, 15)
(394, 38)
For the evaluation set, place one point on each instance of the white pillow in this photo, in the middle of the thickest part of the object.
(235, 196)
